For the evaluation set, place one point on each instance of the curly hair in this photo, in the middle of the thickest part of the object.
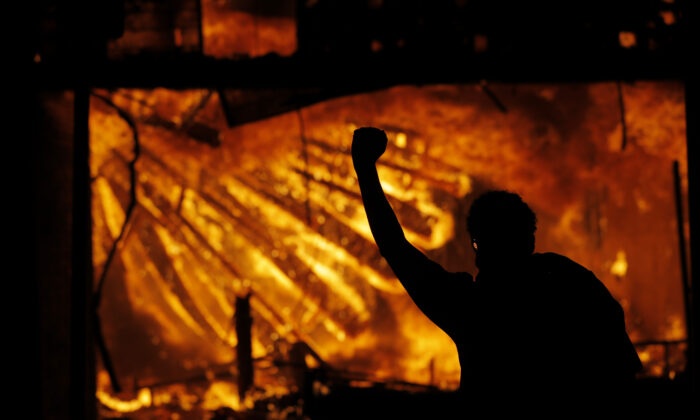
(502, 214)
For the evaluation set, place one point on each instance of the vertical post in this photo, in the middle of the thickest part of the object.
(82, 366)
(693, 210)
(684, 263)
(690, 31)
(200, 24)
(244, 323)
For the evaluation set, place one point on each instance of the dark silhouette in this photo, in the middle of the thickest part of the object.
(530, 324)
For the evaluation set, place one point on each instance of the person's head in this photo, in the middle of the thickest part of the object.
(502, 229)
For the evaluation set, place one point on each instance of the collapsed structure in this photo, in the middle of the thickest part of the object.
(272, 209)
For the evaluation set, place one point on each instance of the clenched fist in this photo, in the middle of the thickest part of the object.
(368, 143)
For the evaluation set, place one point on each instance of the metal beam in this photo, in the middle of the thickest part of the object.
(82, 359)
(363, 73)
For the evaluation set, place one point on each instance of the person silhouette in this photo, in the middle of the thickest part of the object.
(538, 326)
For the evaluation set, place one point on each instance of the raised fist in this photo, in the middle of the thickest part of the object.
(368, 143)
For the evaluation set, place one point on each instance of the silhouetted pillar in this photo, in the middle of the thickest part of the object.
(690, 31)
(244, 323)
(82, 359)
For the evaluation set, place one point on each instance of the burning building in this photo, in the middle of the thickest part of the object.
(232, 265)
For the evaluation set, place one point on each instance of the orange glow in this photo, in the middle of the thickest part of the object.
(628, 39)
(253, 216)
(142, 400)
(230, 33)
(668, 17)
(619, 267)
(222, 394)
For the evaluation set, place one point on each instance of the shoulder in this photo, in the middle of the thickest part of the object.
(564, 271)
(552, 262)
(558, 267)
(570, 275)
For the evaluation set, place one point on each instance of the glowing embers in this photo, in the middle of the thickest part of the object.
(143, 400)
(619, 267)
(232, 32)
(627, 39)
(254, 215)
(251, 216)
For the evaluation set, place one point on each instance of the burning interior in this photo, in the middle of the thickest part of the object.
(271, 209)
(228, 265)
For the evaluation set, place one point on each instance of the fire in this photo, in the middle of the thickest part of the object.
(401, 140)
(252, 215)
(619, 267)
(628, 39)
(222, 394)
(143, 400)
(229, 33)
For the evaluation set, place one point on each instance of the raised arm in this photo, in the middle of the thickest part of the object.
(428, 284)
